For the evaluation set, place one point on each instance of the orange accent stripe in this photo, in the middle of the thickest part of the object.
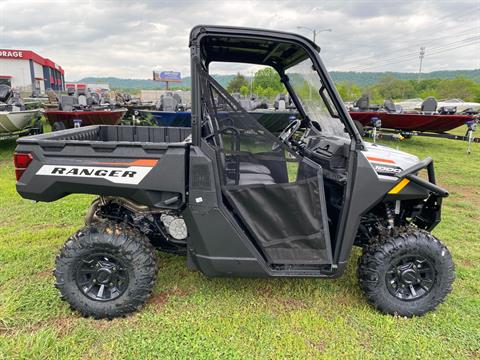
(397, 188)
(388, 161)
(141, 162)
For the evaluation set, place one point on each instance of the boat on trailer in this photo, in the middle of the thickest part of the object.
(14, 118)
(60, 119)
(431, 118)
(435, 123)
(12, 122)
(82, 109)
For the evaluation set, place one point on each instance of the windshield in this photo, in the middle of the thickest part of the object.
(314, 98)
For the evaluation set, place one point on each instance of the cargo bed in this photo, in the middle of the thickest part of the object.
(110, 134)
(144, 164)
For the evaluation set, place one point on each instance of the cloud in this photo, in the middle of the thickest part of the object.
(130, 38)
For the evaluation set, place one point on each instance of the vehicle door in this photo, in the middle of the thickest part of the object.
(276, 195)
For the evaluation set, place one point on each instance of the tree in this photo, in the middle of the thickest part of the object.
(235, 85)
(268, 78)
(389, 87)
(459, 87)
(244, 90)
(348, 90)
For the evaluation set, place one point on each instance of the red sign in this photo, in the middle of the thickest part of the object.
(13, 54)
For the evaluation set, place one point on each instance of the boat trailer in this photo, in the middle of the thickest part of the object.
(376, 132)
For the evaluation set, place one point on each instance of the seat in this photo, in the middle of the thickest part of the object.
(389, 105)
(429, 105)
(249, 167)
(253, 173)
(82, 100)
(363, 103)
(250, 179)
(67, 103)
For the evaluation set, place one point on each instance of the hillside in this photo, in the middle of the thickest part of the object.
(360, 78)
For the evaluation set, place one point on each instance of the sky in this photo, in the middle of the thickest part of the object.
(128, 39)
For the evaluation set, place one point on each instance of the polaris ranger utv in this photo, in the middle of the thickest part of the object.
(237, 200)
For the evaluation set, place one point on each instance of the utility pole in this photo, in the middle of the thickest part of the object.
(422, 55)
(314, 31)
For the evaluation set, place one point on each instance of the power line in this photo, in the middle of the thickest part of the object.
(408, 56)
(410, 59)
(417, 43)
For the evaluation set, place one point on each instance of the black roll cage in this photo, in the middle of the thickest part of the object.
(201, 32)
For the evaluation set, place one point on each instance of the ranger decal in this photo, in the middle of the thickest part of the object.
(131, 175)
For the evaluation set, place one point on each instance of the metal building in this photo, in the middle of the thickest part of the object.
(28, 72)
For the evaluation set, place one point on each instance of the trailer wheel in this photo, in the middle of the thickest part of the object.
(57, 126)
(106, 270)
(407, 274)
(37, 127)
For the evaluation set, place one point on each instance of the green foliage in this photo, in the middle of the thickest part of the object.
(348, 90)
(268, 78)
(460, 87)
(267, 84)
(361, 79)
(244, 90)
(364, 79)
(390, 87)
(235, 85)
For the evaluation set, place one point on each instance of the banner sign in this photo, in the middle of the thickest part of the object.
(167, 76)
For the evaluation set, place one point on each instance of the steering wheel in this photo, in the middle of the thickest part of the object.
(287, 133)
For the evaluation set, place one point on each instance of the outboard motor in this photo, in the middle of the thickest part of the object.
(94, 99)
(11, 99)
(82, 97)
(280, 102)
(168, 103)
(52, 96)
(178, 99)
(5, 93)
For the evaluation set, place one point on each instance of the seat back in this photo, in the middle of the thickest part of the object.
(389, 105)
(82, 100)
(363, 102)
(429, 105)
(280, 102)
(67, 103)
(168, 103)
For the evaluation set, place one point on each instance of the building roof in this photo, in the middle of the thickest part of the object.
(15, 54)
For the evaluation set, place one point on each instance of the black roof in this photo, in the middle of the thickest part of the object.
(254, 46)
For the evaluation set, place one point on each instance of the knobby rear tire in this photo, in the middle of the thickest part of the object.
(121, 241)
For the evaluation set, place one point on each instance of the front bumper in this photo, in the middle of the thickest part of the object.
(430, 185)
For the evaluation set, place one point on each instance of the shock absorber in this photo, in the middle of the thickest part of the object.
(390, 216)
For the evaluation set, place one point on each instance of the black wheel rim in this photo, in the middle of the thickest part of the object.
(101, 277)
(410, 277)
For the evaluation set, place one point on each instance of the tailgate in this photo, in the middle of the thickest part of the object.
(150, 173)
